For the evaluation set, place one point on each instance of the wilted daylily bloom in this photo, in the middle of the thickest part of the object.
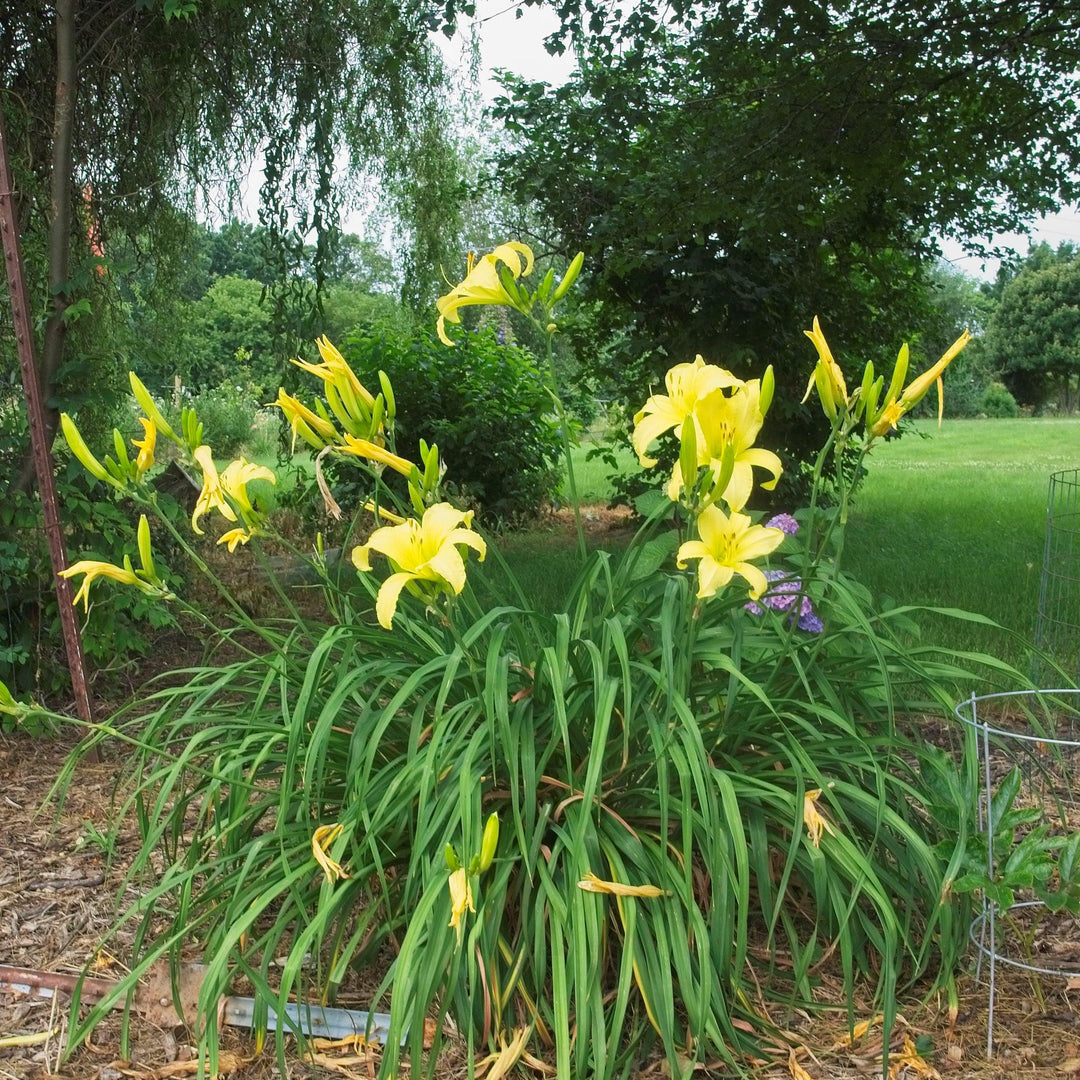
(591, 883)
(321, 840)
(832, 390)
(725, 549)
(731, 420)
(813, 819)
(686, 384)
(482, 284)
(461, 897)
(424, 555)
(917, 389)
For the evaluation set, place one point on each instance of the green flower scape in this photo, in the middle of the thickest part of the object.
(642, 827)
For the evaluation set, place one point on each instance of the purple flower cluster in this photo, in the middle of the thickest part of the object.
(781, 596)
(784, 522)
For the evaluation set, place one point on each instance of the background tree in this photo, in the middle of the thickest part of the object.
(732, 170)
(1034, 333)
(123, 110)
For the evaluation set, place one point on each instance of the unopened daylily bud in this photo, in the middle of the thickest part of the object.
(388, 394)
(489, 843)
(146, 403)
(452, 861)
(765, 394)
(81, 450)
(898, 376)
(864, 392)
(146, 556)
(569, 277)
(688, 459)
(544, 290)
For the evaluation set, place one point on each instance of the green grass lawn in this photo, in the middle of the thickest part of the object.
(949, 517)
(958, 519)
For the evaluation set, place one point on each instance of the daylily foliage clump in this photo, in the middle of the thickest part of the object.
(594, 837)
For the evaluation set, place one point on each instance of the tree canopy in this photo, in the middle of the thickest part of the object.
(119, 111)
(1034, 333)
(732, 170)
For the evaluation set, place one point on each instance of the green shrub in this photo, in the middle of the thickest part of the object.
(485, 405)
(229, 411)
(998, 403)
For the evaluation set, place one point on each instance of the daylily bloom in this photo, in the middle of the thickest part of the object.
(813, 819)
(364, 448)
(146, 447)
(93, 570)
(321, 840)
(731, 420)
(482, 284)
(236, 477)
(212, 496)
(335, 370)
(591, 883)
(686, 385)
(917, 389)
(461, 897)
(424, 555)
(234, 537)
(725, 549)
(832, 390)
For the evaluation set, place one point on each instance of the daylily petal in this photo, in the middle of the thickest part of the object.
(386, 602)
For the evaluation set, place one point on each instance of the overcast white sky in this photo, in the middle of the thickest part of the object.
(517, 44)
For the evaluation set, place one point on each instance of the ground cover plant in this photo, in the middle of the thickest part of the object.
(637, 825)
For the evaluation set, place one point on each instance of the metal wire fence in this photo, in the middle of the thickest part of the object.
(1057, 628)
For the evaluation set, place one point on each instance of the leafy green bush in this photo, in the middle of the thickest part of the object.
(484, 404)
(600, 834)
(997, 402)
(228, 410)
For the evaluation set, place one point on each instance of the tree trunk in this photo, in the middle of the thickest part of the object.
(59, 226)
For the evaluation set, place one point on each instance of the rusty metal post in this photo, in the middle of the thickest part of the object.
(20, 310)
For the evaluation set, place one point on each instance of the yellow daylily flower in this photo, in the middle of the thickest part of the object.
(364, 448)
(311, 427)
(725, 549)
(731, 420)
(234, 537)
(591, 883)
(236, 477)
(917, 389)
(321, 839)
(832, 390)
(94, 570)
(461, 897)
(212, 495)
(686, 385)
(813, 819)
(335, 370)
(424, 554)
(482, 284)
(146, 447)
